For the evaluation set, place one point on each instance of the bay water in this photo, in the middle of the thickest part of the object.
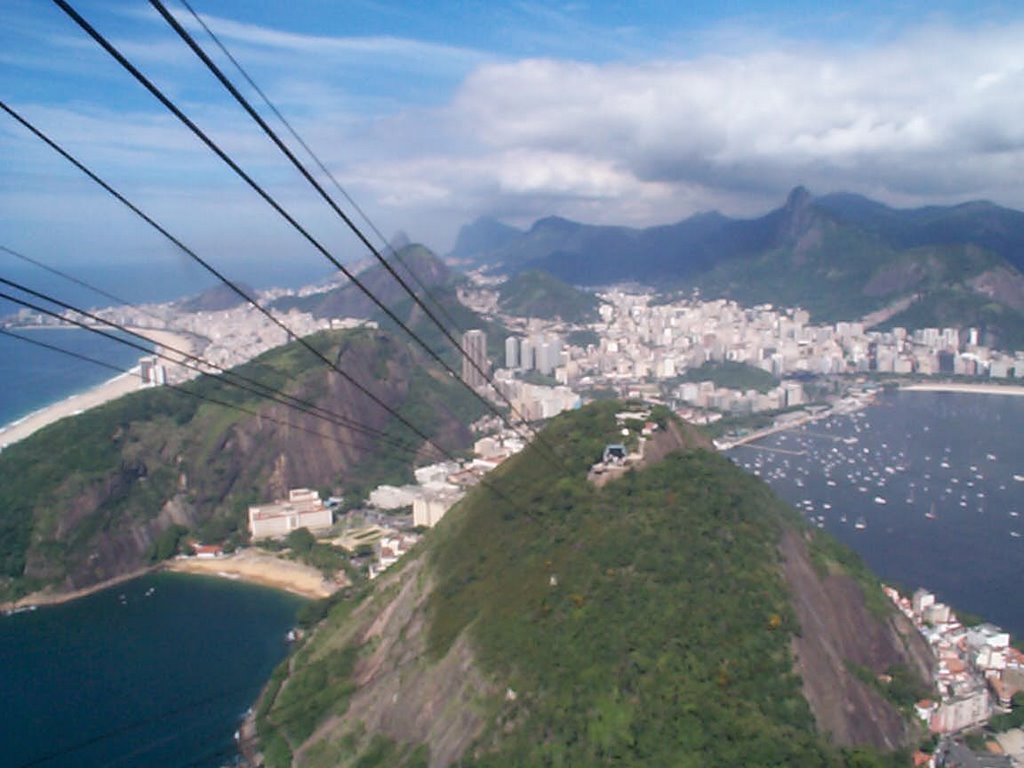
(928, 487)
(155, 672)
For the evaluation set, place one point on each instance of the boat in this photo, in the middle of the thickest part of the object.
(1015, 534)
(930, 514)
(861, 524)
(1019, 478)
(20, 609)
(880, 500)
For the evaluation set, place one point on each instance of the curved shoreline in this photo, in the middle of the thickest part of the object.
(972, 389)
(47, 596)
(113, 388)
(252, 566)
(255, 566)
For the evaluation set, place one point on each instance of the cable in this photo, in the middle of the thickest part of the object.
(163, 99)
(251, 385)
(78, 282)
(275, 394)
(483, 480)
(185, 249)
(319, 163)
(272, 135)
(177, 388)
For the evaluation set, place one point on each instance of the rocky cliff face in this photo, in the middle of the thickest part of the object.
(96, 494)
(647, 622)
(838, 631)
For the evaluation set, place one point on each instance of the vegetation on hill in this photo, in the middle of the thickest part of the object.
(732, 375)
(958, 306)
(643, 623)
(104, 492)
(538, 294)
(840, 256)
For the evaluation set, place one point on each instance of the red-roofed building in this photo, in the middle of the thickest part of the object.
(208, 551)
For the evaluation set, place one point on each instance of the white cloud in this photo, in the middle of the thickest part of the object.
(933, 116)
(930, 116)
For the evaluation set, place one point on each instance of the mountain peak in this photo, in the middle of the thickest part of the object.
(798, 198)
(483, 237)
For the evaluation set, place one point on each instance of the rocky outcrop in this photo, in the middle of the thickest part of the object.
(181, 467)
(838, 632)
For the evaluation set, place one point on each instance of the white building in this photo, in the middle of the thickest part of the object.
(432, 505)
(302, 509)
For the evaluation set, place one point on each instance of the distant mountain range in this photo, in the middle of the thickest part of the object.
(841, 256)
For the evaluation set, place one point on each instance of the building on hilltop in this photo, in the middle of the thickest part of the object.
(302, 509)
(474, 361)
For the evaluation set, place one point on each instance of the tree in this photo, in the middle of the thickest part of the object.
(167, 543)
(301, 541)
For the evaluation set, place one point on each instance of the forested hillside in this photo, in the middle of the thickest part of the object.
(110, 490)
(547, 621)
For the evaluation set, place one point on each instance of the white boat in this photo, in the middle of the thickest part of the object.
(880, 500)
(861, 524)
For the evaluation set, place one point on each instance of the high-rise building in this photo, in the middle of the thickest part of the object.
(512, 352)
(474, 344)
(526, 355)
(547, 354)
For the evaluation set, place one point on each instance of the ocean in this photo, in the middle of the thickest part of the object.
(156, 672)
(923, 485)
(33, 378)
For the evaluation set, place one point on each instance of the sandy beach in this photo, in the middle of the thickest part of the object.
(260, 567)
(974, 389)
(98, 395)
(165, 339)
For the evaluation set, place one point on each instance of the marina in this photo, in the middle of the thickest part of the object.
(926, 486)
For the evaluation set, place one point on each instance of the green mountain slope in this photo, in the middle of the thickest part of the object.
(538, 294)
(550, 622)
(839, 256)
(88, 498)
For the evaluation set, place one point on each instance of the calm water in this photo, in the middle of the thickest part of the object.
(33, 377)
(931, 478)
(156, 672)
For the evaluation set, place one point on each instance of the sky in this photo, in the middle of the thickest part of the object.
(431, 114)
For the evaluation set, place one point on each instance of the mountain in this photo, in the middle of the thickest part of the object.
(482, 238)
(538, 294)
(417, 266)
(997, 229)
(677, 615)
(839, 256)
(90, 497)
(216, 299)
